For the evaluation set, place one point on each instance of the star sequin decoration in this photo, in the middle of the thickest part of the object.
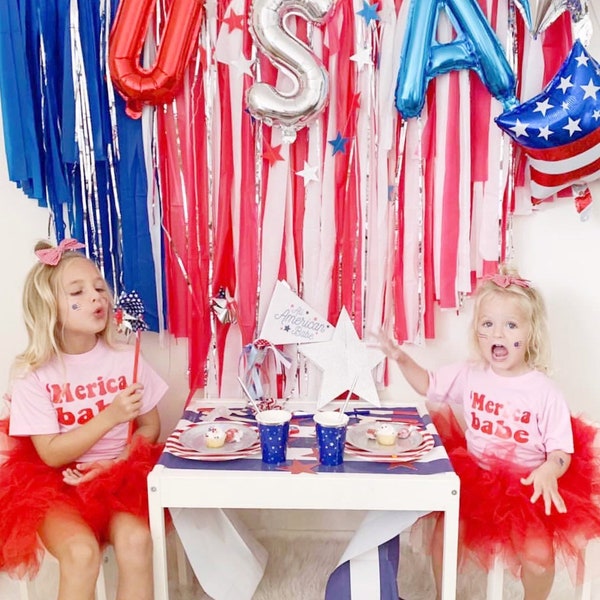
(342, 359)
(272, 153)
(368, 12)
(298, 467)
(234, 21)
(339, 144)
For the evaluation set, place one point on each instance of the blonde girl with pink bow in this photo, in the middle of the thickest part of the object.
(530, 477)
(72, 480)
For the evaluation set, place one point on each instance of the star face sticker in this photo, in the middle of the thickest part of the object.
(368, 12)
(342, 359)
(339, 144)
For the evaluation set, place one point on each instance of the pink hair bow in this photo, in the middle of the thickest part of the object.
(51, 256)
(505, 280)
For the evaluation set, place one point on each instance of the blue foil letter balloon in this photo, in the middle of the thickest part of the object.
(475, 46)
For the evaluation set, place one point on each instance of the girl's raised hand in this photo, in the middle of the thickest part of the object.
(127, 404)
(389, 346)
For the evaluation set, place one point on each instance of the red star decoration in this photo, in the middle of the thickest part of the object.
(406, 465)
(298, 467)
(234, 21)
(272, 154)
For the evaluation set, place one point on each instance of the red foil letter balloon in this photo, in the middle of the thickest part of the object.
(289, 111)
(161, 82)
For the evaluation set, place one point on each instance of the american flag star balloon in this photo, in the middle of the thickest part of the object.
(559, 129)
(129, 313)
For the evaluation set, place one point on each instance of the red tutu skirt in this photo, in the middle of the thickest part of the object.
(29, 489)
(497, 516)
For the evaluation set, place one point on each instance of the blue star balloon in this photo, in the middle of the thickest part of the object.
(559, 129)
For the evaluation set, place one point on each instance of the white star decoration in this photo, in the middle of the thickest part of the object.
(308, 173)
(341, 359)
(362, 58)
(243, 65)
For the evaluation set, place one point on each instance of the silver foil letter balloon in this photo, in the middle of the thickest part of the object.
(290, 111)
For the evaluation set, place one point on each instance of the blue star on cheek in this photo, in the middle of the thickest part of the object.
(368, 12)
(338, 144)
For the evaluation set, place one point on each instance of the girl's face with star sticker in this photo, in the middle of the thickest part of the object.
(83, 305)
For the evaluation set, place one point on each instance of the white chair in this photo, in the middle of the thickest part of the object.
(585, 573)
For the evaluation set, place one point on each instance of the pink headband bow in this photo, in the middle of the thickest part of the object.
(505, 280)
(51, 256)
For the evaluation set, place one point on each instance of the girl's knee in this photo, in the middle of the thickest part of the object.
(82, 555)
(134, 544)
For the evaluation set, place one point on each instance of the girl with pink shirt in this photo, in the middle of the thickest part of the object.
(530, 479)
(74, 478)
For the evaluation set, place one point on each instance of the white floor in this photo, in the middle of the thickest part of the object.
(299, 564)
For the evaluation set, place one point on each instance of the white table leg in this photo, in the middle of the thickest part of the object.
(159, 539)
(450, 556)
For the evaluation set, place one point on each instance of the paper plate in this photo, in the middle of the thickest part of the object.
(360, 437)
(193, 437)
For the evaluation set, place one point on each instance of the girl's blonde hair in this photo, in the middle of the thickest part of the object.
(40, 311)
(508, 283)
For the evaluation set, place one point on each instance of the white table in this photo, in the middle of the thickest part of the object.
(223, 485)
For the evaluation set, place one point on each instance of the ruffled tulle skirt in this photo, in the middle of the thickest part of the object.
(497, 516)
(29, 489)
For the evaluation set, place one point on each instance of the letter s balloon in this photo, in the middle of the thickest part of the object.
(290, 111)
(161, 82)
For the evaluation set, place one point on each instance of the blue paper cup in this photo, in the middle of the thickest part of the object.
(273, 429)
(331, 429)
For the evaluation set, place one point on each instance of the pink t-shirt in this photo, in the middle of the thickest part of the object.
(519, 418)
(68, 391)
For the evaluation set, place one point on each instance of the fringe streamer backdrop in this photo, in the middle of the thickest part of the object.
(198, 199)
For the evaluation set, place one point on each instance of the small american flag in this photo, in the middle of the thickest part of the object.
(559, 129)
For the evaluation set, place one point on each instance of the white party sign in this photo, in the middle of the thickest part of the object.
(289, 320)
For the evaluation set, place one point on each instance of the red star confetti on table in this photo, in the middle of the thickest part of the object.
(298, 467)
(406, 465)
